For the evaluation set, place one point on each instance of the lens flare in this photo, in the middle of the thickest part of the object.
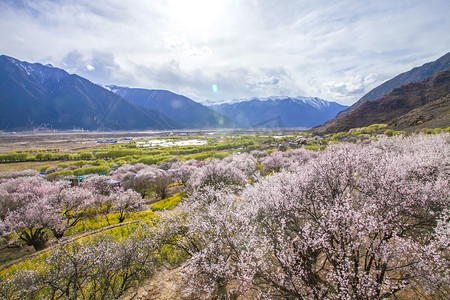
(214, 88)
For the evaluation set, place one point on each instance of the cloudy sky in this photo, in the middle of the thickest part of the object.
(229, 49)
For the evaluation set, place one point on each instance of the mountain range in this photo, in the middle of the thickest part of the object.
(34, 95)
(186, 111)
(279, 111)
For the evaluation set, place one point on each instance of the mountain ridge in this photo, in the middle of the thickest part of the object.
(290, 112)
(188, 112)
(36, 95)
(416, 74)
(303, 99)
(411, 106)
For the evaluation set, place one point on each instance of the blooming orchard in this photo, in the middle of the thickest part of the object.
(355, 221)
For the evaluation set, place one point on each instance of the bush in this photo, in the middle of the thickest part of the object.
(389, 132)
(44, 168)
(59, 174)
(101, 170)
(315, 147)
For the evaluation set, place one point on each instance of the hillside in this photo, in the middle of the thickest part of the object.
(415, 105)
(186, 111)
(287, 112)
(414, 75)
(433, 115)
(34, 95)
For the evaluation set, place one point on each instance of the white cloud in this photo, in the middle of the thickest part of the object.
(335, 50)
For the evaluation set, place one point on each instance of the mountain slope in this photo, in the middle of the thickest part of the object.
(33, 95)
(184, 110)
(432, 115)
(414, 105)
(287, 111)
(414, 75)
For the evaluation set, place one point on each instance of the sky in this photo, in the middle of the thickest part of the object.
(220, 50)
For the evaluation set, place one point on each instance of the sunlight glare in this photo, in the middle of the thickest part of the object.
(196, 16)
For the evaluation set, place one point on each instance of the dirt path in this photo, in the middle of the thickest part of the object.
(56, 244)
(165, 285)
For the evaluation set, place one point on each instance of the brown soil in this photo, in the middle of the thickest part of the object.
(65, 142)
(14, 253)
(165, 285)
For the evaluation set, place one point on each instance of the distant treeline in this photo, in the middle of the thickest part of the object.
(128, 153)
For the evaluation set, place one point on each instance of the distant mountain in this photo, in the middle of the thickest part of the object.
(415, 105)
(34, 95)
(414, 75)
(279, 111)
(186, 111)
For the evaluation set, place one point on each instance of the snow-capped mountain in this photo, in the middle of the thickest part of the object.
(47, 76)
(308, 100)
(290, 112)
(186, 111)
(34, 95)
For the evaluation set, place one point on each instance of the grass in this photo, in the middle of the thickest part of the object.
(36, 261)
(92, 224)
(168, 203)
(100, 221)
(39, 264)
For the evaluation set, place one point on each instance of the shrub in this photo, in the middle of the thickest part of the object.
(59, 174)
(92, 170)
